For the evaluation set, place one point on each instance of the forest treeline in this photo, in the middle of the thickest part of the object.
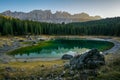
(12, 26)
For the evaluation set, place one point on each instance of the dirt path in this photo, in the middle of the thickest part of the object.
(113, 49)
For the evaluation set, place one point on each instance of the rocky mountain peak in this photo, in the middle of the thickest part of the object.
(48, 16)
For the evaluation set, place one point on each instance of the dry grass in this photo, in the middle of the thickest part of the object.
(26, 69)
(31, 65)
(111, 71)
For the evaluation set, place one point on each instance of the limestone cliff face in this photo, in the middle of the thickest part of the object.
(48, 16)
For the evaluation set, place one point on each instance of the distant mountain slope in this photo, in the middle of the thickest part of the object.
(48, 16)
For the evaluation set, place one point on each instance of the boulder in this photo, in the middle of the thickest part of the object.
(67, 57)
(90, 60)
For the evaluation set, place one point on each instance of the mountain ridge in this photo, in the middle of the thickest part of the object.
(48, 16)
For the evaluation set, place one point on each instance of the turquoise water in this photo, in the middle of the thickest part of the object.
(57, 48)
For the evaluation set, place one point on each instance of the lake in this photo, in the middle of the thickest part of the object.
(57, 48)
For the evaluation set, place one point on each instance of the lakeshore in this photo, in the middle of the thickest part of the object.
(6, 58)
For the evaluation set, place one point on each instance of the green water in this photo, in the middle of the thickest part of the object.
(56, 48)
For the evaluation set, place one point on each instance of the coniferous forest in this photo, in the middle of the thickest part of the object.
(12, 26)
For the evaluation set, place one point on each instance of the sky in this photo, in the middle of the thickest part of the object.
(103, 8)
